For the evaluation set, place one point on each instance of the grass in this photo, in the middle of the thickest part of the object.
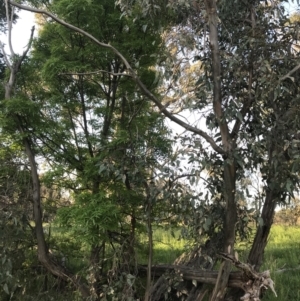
(282, 252)
(167, 246)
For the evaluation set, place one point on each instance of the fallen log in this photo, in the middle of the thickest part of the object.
(246, 278)
(236, 278)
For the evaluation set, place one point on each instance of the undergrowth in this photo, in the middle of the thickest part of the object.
(282, 257)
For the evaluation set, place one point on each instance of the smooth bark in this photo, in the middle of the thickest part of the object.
(229, 176)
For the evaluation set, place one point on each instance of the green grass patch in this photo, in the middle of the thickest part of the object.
(167, 246)
(282, 257)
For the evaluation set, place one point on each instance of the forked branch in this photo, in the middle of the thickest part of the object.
(131, 72)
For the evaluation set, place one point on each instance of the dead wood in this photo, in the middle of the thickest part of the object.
(200, 259)
(236, 278)
(254, 282)
(245, 278)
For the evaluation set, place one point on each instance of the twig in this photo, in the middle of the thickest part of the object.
(28, 46)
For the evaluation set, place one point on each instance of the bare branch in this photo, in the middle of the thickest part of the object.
(142, 87)
(211, 9)
(29, 44)
(173, 180)
(9, 24)
(14, 67)
(5, 56)
(21, 59)
(95, 72)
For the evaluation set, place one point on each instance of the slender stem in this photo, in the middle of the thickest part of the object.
(150, 242)
(211, 9)
(9, 25)
(7, 62)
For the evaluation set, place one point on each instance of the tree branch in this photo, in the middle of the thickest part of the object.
(96, 72)
(5, 56)
(288, 75)
(9, 24)
(137, 80)
(29, 44)
(248, 103)
(211, 10)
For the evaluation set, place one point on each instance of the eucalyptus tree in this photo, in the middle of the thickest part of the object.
(246, 92)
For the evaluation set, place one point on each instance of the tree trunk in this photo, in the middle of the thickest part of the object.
(273, 193)
(229, 230)
(150, 245)
(261, 238)
(43, 255)
(229, 176)
(95, 274)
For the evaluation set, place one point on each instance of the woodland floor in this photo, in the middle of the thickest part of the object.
(282, 258)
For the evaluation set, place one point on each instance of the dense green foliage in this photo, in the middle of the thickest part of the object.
(93, 126)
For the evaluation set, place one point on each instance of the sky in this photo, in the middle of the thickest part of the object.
(21, 32)
(292, 6)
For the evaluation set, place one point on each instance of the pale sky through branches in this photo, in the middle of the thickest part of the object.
(22, 29)
(292, 6)
(20, 38)
(21, 32)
